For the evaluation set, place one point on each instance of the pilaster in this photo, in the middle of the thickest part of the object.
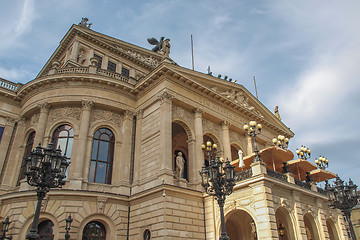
(42, 123)
(226, 140)
(137, 156)
(198, 128)
(249, 145)
(5, 141)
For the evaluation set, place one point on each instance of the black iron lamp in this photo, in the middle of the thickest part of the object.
(304, 153)
(281, 141)
(218, 179)
(344, 197)
(5, 229)
(254, 129)
(322, 162)
(45, 169)
(67, 227)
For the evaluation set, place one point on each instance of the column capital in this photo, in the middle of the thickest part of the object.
(128, 115)
(87, 104)
(165, 97)
(44, 107)
(10, 121)
(198, 112)
(225, 124)
(140, 113)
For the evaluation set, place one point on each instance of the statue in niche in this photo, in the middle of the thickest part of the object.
(180, 164)
(276, 112)
(162, 46)
(241, 160)
(84, 23)
(81, 59)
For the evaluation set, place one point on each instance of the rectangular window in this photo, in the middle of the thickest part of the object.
(99, 59)
(1, 132)
(125, 72)
(111, 66)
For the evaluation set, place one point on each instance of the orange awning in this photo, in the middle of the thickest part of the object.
(273, 157)
(320, 175)
(299, 167)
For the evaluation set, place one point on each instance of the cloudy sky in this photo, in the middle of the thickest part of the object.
(305, 55)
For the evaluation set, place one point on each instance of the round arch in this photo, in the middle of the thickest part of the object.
(190, 134)
(332, 229)
(311, 229)
(106, 124)
(180, 150)
(240, 224)
(212, 137)
(43, 216)
(283, 217)
(58, 123)
(105, 220)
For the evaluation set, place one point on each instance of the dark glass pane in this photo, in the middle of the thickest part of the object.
(99, 60)
(103, 151)
(92, 171)
(94, 231)
(62, 142)
(125, 72)
(46, 230)
(69, 148)
(104, 137)
(28, 148)
(1, 132)
(100, 172)
(111, 66)
(94, 149)
(97, 134)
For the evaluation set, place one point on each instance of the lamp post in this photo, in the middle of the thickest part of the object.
(5, 228)
(281, 230)
(45, 169)
(67, 227)
(281, 142)
(254, 129)
(322, 162)
(218, 179)
(304, 153)
(344, 197)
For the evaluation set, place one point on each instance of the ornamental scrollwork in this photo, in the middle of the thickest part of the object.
(101, 201)
(165, 97)
(68, 112)
(101, 115)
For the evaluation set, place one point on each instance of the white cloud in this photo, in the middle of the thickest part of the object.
(27, 16)
(13, 74)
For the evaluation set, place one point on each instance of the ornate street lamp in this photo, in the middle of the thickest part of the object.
(322, 162)
(67, 227)
(5, 228)
(304, 153)
(254, 129)
(281, 142)
(45, 169)
(281, 230)
(218, 179)
(344, 197)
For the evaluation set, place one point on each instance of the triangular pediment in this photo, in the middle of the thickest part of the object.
(232, 94)
(143, 59)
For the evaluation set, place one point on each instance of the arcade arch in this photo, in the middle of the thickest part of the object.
(240, 225)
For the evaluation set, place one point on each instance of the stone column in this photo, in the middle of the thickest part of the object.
(226, 140)
(123, 161)
(5, 141)
(198, 128)
(79, 163)
(322, 230)
(41, 125)
(137, 157)
(299, 217)
(105, 62)
(249, 145)
(166, 169)
(192, 171)
(74, 51)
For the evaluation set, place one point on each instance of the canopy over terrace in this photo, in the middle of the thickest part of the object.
(319, 175)
(299, 167)
(273, 157)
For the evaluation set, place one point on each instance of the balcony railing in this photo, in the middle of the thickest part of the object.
(73, 70)
(277, 175)
(239, 176)
(10, 85)
(302, 184)
(109, 74)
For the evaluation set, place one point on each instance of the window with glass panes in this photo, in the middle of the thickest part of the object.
(1, 132)
(63, 137)
(111, 66)
(99, 60)
(102, 155)
(94, 231)
(125, 72)
(46, 230)
(28, 148)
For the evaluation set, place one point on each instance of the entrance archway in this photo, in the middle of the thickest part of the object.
(283, 217)
(332, 229)
(240, 225)
(312, 232)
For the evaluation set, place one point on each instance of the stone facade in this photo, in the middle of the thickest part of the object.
(152, 108)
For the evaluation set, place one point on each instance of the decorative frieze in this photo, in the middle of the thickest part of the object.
(101, 115)
(181, 113)
(209, 126)
(65, 112)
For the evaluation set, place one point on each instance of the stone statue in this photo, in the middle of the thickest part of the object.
(162, 46)
(84, 23)
(277, 114)
(81, 59)
(180, 163)
(241, 160)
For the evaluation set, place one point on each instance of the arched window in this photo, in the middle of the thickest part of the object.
(63, 137)
(94, 231)
(147, 234)
(28, 148)
(46, 230)
(102, 155)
